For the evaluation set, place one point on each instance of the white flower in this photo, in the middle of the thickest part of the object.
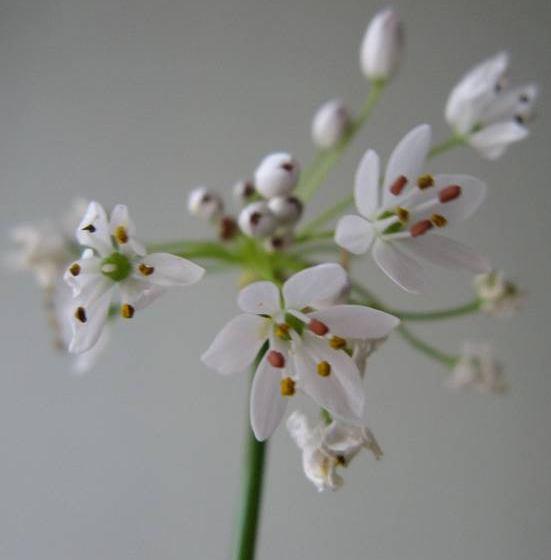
(286, 209)
(498, 296)
(257, 220)
(277, 175)
(116, 261)
(330, 124)
(205, 204)
(306, 349)
(398, 220)
(490, 115)
(478, 368)
(382, 45)
(326, 447)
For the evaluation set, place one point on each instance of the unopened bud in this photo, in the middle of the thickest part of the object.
(227, 228)
(279, 242)
(243, 191)
(204, 204)
(256, 220)
(286, 209)
(330, 124)
(277, 175)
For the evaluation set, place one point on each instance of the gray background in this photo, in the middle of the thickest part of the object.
(138, 101)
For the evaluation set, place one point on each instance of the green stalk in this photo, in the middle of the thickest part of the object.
(447, 359)
(452, 142)
(466, 309)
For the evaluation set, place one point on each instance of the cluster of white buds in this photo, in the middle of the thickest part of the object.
(209, 205)
(498, 296)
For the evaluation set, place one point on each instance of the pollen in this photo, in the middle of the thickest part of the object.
(425, 181)
(420, 228)
(74, 269)
(449, 193)
(282, 331)
(276, 359)
(438, 220)
(89, 228)
(146, 270)
(317, 327)
(121, 235)
(287, 387)
(80, 314)
(402, 214)
(337, 343)
(324, 369)
(127, 311)
(398, 186)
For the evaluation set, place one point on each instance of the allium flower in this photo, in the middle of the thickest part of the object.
(490, 115)
(115, 261)
(478, 368)
(330, 124)
(498, 296)
(327, 447)
(306, 349)
(398, 220)
(277, 175)
(203, 203)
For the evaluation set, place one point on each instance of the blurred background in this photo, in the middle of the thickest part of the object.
(137, 102)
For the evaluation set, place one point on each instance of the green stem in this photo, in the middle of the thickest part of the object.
(452, 142)
(316, 174)
(424, 347)
(196, 250)
(466, 309)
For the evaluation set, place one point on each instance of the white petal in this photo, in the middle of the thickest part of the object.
(356, 321)
(90, 271)
(170, 270)
(259, 298)
(366, 185)
(354, 234)
(98, 239)
(139, 293)
(407, 159)
(237, 344)
(446, 252)
(121, 218)
(508, 104)
(493, 140)
(317, 283)
(399, 267)
(267, 404)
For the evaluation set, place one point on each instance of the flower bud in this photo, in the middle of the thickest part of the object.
(256, 220)
(227, 228)
(330, 124)
(243, 191)
(204, 204)
(286, 209)
(276, 175)
(382, 45)
(279, 241)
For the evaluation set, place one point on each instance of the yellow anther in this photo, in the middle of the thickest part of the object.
(146, 270)
(337, 342)
(287, 387)
(74, 269)
(80, 314)
(121, 235)
(438, 220)
(402, 214)
(282, 331)
(425, 181)
(127, 311)
(324, 368)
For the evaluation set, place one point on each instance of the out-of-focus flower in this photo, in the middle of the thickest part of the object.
(243, 192)
(398, 220)
(330, 124)
(277, 175)
(486, 112)
(204, 203)
(257, 220)
(286, 209)
(498, 296)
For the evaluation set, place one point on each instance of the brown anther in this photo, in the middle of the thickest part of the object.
(89, 228)
(282, 331)
(288, 167)
(80, 314)
(337, 343)
(74, 269)
(398, 186)
(121, 235)
(420, 228)
(227, 228)
(341, 460)
(127, 311)
(255, 218)
(438, 220)
(323, 368)
(287, 387)
(425, 181)
(146, 270)
(449, 193)
(248, 189)
(402, 214)
(317, 327)
(276, 359)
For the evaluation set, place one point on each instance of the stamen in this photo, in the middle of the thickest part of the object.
(74, 269)
(146, 270)
(282, 331)
(127, 311)
(324, 369)
(255, 217)
(287, 387)
(449, 193)
(89, 228)
(402, 214)
(398, 186)
(276, 359)
(80, 314)
(519, 119)
(438, 220)
(287, 167)
(341, 460)
(425, 181)
(317, 327)
(227, 228)
(121, 235)
(337, 342)
(420, 228)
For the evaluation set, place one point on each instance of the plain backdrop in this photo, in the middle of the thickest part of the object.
(138, 101)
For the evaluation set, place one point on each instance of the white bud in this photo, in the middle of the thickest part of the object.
(204, 203)
(276, 175)
(286, 209)
(382, 45)
(330, 124)
(256, 220)
(243, 191)
(279, 241)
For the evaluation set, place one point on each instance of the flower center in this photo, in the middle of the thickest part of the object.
(116, 266)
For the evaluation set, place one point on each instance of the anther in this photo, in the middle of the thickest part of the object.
(425, 181)
(227, 228)
(287, 166)
(74, 269)
(121, 235)
(275, 359)
(287, 387)
(80, 314)
(127, 311)
(317, 327)
(282, 331)
(323, 368)
(402, 214)
(519, 119)
(438, 220)
(146, 270)
(255, 217)
(398, 186)
(341, 460)
(449, 193)
(337, 342)
(420, 228)
(89, 228)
